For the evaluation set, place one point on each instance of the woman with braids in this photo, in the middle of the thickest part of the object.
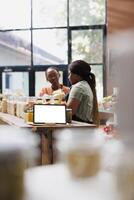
(82, 97)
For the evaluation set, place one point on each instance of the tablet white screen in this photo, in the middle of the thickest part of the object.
(49, 113)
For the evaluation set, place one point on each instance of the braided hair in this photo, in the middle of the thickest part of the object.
(83, 69)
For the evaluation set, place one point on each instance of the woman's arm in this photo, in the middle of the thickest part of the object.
(73, 104)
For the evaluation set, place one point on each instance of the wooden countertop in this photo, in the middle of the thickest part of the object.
(13, 120)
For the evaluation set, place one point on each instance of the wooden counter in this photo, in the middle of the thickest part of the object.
(45, 131)
(105, 115)
(19, 122)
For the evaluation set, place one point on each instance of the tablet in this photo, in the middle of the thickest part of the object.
(49, 114)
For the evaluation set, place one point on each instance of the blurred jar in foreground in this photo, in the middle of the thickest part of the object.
(18, 150)
(125, 174)
(81, 150)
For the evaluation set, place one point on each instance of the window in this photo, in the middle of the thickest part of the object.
(37, 34)
(50, 46)
(87, 44)
(87, 12)
(15, 14)
(15, 81)
(15, 48)
(52, 13)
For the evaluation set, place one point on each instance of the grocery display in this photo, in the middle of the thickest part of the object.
(22, 106)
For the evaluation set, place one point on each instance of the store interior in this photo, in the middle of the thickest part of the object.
(50, 148)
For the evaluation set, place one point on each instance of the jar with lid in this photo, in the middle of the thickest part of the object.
(31, 101)
(47, 99)
(11, 105)
(39, 100)
(80, 149)
(20, 106)
(28, 110)
(68, 115)
(18, 150)
(4, 105)
(28, 115)
(57, 96)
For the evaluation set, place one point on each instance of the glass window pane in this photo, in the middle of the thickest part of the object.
(50, 46)
(15, 48)
(87, 12)
(14, 14)
(49, 13)
(98, 71)
(40, 81)
(15, 81)
(87, 45)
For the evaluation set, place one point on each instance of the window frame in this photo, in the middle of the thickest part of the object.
(31, 69)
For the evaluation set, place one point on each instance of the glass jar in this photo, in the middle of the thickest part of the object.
(29, 115)
(69, 115)
(11, 105)
(4, 105)
(47, 99)
(80, 150)
(28, 109)
(18, 150)
(58, 94)
(31, 101)
(39, 100)
(20, 106)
